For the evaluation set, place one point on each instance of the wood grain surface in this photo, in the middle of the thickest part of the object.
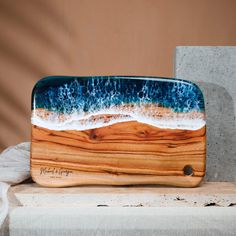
(124, 153)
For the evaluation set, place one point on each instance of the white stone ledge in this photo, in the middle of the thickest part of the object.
(208, 194)
(151, 210)
(122, 221)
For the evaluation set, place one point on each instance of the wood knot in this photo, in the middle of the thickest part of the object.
(143, 133)
(93, 135)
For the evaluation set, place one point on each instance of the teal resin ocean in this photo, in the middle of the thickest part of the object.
(133, 98)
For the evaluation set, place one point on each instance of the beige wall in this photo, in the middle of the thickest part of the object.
(102, 37)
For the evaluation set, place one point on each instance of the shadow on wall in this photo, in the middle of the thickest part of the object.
(30, 32)
(221, 133)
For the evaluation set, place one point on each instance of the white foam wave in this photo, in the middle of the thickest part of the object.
(99, 119)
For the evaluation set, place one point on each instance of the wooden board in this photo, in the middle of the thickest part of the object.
(160, 140)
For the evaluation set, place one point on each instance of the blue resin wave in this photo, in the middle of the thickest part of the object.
(73, 102)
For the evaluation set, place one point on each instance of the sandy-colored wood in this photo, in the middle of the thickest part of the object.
(120, 154)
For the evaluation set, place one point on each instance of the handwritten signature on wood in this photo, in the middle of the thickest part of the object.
(55, 171)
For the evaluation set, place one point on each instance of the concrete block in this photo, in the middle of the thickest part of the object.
(213, 69)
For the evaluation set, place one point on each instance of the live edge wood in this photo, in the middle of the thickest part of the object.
(124, 153)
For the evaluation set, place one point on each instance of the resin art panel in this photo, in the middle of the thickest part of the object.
(117, 130)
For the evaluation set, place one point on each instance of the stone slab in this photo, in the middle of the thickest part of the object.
(213, 69)
(58, 221)
(208, 194)
(136, 210)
